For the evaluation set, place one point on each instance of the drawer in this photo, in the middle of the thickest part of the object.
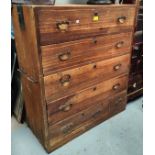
(57, 25)
(71, 104)
(85, 119)
(74, 54)
(71, 81)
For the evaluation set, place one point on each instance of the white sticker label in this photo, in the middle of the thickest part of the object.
(77, 21)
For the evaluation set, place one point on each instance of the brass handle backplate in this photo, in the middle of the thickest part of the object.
(65, 80)
(117, 67)
(64, 56)
(116, 87)
(63, 26)
(65, 107)
(120, 44)
(122, 19)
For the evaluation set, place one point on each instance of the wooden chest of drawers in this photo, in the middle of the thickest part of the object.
(74, 62)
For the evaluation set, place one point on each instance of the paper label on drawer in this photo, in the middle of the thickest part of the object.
(96, 18)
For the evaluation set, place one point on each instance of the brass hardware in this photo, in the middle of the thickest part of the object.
(66, 128)
(116, 87)
(64, 56)
(96, 17)
(65, 80)
(65, 107)
(120, 44)
(122, 19)
(117, 67)
(63, 26)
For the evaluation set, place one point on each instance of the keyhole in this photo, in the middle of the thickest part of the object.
(95, 14)
(94, 89)
(94, 41)
(83, 114)
(95, 66)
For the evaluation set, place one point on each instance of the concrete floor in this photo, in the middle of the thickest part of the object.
(120, 135)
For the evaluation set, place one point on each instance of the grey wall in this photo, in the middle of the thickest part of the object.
(71, 1)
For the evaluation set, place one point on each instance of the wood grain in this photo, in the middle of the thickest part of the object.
(84, 99)
(108, 22)
(31, 73)
(74, 70)
(61, 137)
(81, 78)
(84, 52)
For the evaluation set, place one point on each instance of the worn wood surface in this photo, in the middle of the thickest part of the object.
(74, 103)
(72, 81)
(30, 68)
(94, 115)
(74, 69)
(80, 22)
(84, 51)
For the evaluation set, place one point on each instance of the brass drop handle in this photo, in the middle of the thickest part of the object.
(116, 87)
(63, 26)
(65, 107)
(64, 56)
(67, 128)
(122, 19)
(117, 67)
(120, 44)
(65, 80)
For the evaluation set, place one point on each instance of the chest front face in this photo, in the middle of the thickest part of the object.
(81, 58)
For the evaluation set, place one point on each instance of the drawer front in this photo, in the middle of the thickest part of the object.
(77, 79)
(73, 54)
(67, 106)
(61, 25)
(82, 121)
